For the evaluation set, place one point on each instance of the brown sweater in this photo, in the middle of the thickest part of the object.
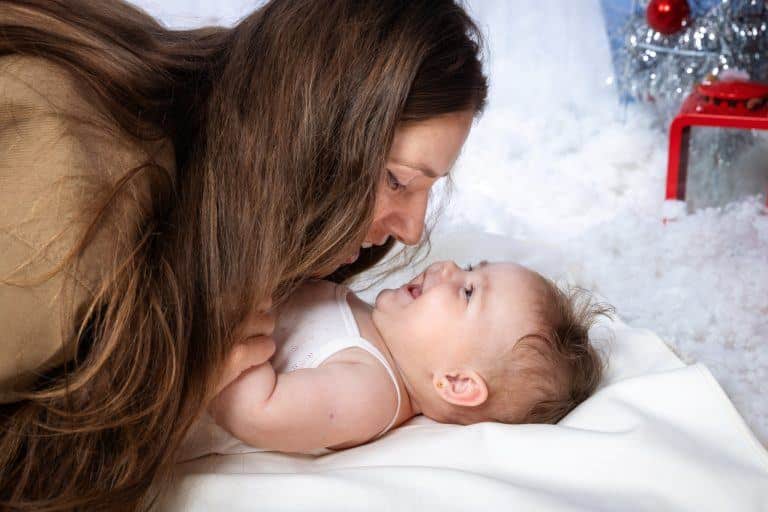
(58, 159)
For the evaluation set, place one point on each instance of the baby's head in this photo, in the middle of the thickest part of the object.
(497, 342)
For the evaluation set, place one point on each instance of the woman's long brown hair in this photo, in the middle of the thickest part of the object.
(281, 127)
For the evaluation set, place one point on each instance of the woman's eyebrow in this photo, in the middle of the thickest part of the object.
(424, 169)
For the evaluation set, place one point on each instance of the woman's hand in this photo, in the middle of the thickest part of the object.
(253, 344)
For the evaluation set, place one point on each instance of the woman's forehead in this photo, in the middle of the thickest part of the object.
(431, 146)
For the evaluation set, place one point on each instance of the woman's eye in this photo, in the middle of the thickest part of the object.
(468, 292)
(393, 182)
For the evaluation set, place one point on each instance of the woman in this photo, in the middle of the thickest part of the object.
(161, 188)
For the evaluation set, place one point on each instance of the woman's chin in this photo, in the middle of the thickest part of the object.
(352, 258)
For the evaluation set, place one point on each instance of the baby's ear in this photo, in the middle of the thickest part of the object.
(462, 387)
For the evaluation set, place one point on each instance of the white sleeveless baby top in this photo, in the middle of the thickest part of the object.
(314, 324)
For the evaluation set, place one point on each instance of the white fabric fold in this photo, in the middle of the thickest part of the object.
(658, 435)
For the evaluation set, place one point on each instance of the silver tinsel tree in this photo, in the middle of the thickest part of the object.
(729, 38)
(663, 69)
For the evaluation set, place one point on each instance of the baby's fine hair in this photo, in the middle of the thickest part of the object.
(565, 352)
(547, 373)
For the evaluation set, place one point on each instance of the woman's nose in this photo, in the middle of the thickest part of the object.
(411, 234)
(407, 225)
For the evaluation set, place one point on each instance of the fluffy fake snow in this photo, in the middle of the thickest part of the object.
(557, 161)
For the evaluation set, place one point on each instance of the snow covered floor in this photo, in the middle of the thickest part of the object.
(557, 159)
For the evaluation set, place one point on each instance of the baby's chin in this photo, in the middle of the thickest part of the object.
(383, 297)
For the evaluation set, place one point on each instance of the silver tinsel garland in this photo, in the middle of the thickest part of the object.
(663, 70)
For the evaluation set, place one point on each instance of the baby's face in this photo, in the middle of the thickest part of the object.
(448, 317)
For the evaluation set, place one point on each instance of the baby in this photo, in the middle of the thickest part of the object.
(497, 342)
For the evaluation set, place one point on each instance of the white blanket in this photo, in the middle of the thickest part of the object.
(658, 436)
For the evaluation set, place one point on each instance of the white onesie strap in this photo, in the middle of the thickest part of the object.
(375, 352)
(354, 331)
(340, 344)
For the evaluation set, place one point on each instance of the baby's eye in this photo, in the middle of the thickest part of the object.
(392, 182)
(468, 291)
(469, 267)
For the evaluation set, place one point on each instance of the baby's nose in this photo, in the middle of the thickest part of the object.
(443, 268)
(451, 267)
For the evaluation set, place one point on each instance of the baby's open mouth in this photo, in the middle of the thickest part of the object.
(414, 290)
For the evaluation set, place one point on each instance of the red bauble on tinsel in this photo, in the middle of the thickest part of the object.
(667, 16)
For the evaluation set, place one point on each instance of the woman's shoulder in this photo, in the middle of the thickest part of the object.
(60, 158)
(41, 97)
(39, 84)
(37, 89)
(59, 148)
(32, 72)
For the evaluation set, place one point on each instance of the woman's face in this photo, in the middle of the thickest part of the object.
(421, 153)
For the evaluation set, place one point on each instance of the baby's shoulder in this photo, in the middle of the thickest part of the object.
(368, 386)
(355, 355)
(378, 380)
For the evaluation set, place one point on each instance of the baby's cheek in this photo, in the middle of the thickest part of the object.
(431, 314)
(440, 307)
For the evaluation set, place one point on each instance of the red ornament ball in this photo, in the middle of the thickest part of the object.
(667, 16)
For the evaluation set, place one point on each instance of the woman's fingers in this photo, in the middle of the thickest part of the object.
(252, 352)
(253, 344)
(245, 355)
(259, 322)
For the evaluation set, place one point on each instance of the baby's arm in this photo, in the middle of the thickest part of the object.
(336, 404)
